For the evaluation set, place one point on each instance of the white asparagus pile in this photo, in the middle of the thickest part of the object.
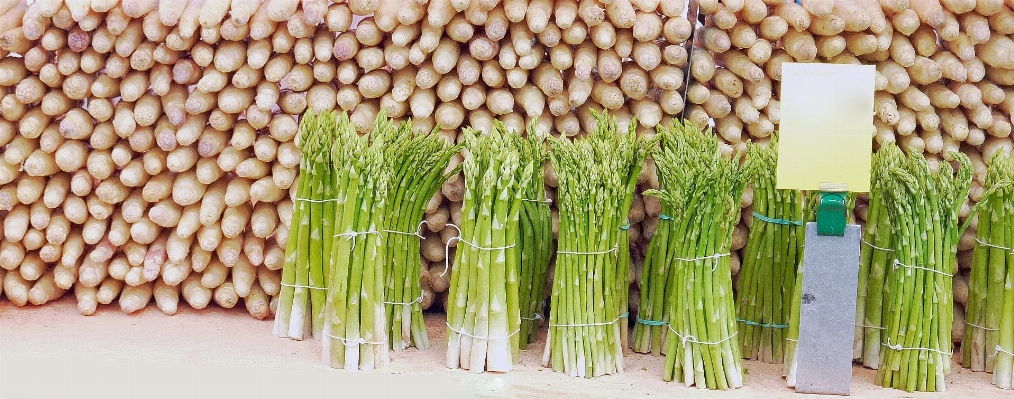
(148, 145)
(944, 68)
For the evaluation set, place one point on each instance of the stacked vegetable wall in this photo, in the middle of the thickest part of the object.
(148, 146)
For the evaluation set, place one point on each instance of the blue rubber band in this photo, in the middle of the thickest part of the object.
(626, 226)
(664, 217)
(777, 221)
(651, 322)
(754, 323)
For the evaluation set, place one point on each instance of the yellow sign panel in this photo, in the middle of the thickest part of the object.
(825, 135)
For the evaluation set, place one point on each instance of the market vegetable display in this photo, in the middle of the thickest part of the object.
(149, 148)
(597, 174)
(876, 263)
(923, 207)
(768, 275)
(484, 313)
(702, 187)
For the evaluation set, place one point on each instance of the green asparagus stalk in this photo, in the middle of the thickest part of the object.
(991, 264)
(535, 236)
(923, 207)
(703, 189)
(875, 264)
(355, 327)
(769, 266)
(973, 346)
(1003, 372)
(653, 317)
(597, 174)
(305, 271)
(421, 162)
(483, 315)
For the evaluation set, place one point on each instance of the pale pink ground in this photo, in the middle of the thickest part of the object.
(53, 352)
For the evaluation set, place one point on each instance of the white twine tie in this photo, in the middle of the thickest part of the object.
(898, 347)
(715, 257)
(898, 263)
(685, 339)
(447, 248)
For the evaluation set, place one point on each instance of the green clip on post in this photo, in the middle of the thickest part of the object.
(831, 214)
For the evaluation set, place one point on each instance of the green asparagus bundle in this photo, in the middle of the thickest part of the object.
(876, 264)
(650, 331)
(923, 207)
(535, 235)
(305, 272)
(768, 274)
(1003, 372)
(703, 188)
(421, 162)
(484, 313)
(991, 263)
(355, 328)
(810, 201)
(597, 174)
(989, 331)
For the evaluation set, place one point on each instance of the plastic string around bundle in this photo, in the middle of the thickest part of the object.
(782, 222)
(605, 323)
(457, 238)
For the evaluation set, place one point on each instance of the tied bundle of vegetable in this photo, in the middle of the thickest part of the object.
(355, 328)
(703, 188)
(1003, 373)
(483, 310)
(535, 235)
(923, 207)
(875, 264)
(305, 271)
(421, 162)
(768, 274)
(810, 201)
(651, 329)
(597, 174)
(991, 264)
